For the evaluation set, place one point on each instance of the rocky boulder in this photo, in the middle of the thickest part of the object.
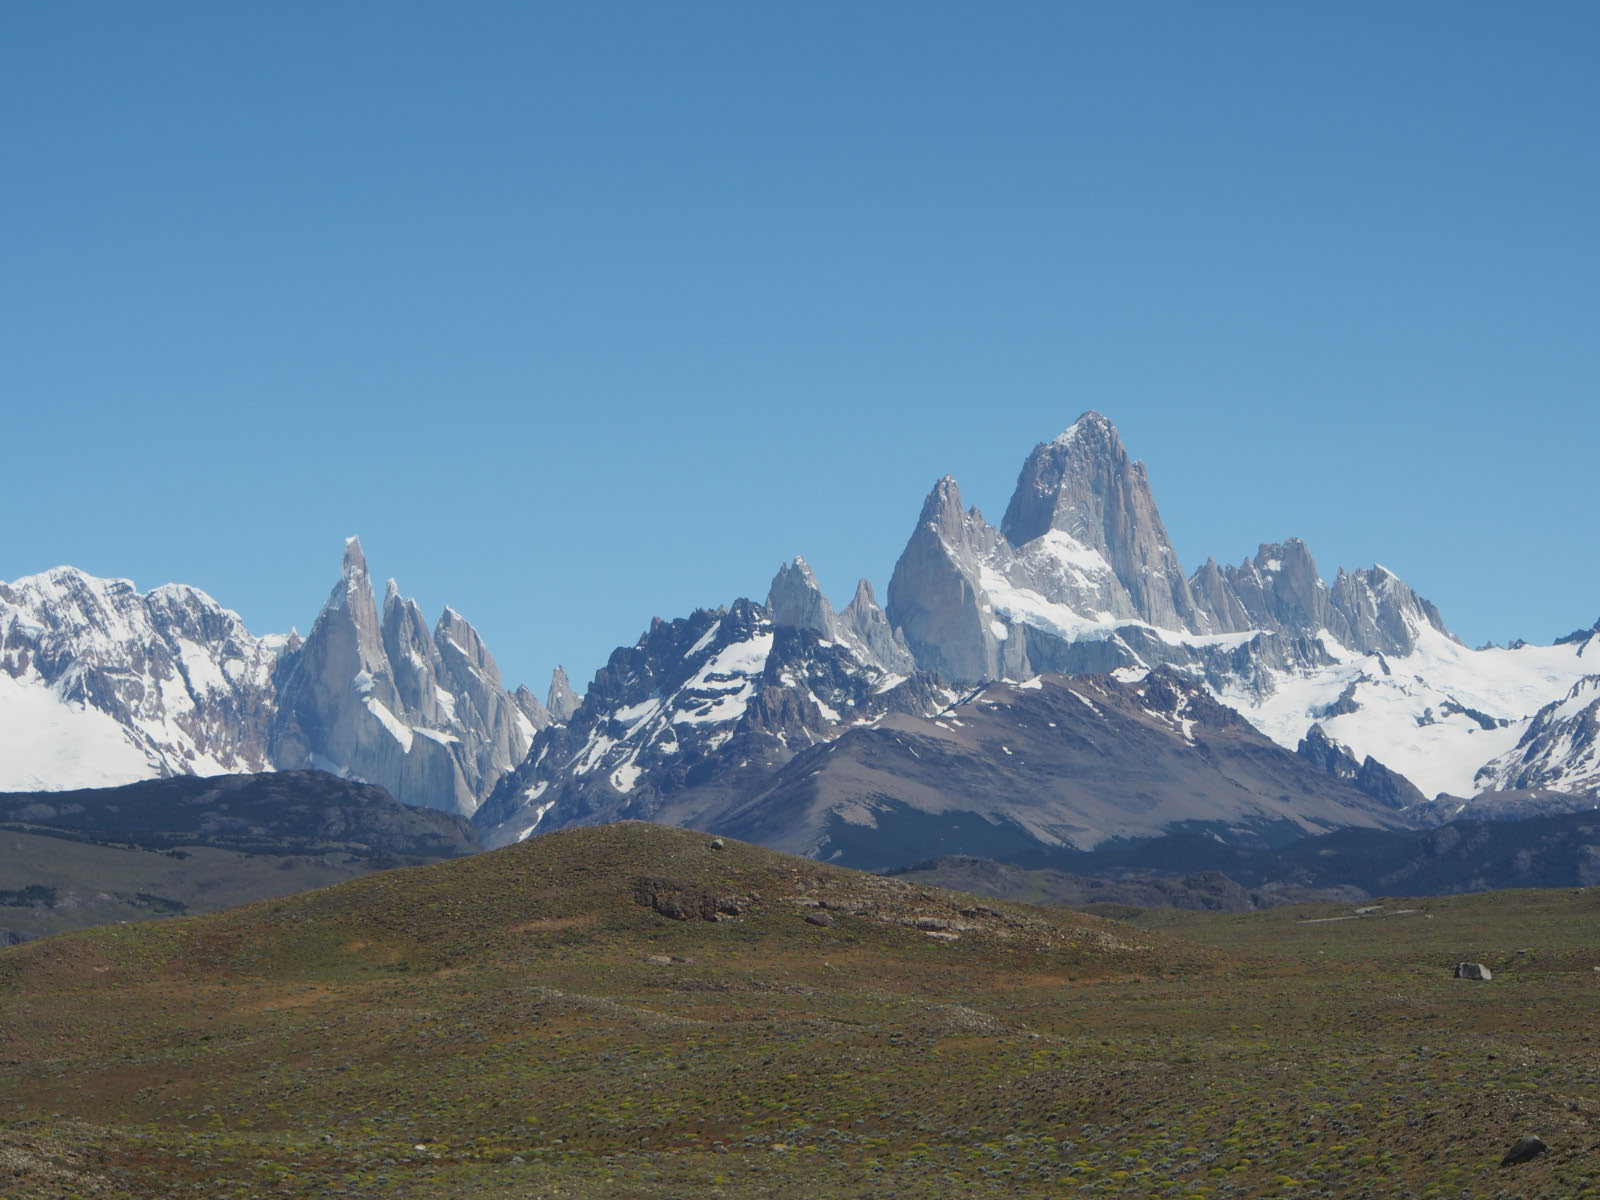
(1525, 1150)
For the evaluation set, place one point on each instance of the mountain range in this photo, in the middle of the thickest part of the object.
(1057, 681)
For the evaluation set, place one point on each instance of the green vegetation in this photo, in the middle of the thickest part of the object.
(525, 1023)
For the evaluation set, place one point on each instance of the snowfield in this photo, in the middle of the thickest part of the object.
(1412, 713)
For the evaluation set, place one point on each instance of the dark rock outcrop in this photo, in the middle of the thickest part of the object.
(683, 903)
(1370, 776)
(1525, 1150)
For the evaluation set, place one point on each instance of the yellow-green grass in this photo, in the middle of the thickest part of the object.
(519, 1024)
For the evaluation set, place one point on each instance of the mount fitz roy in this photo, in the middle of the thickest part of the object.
(1055, 681)
(753, 720)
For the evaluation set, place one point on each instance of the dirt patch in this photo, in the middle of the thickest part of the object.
(277, 1001)
(555, 924)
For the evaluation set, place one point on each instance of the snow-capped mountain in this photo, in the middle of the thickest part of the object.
(100, 684)
(801, 727)
(1081, 578)
(799, 721)
(702, 710)
(1560, 749)
(1437, 715)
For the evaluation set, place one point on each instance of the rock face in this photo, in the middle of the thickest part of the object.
(531, 707)
(865, 627)
(1084, 486)
(795, 601)
(422, 715)
(937, 600)
(1371, 611)
(100, 684)
(1370, 776)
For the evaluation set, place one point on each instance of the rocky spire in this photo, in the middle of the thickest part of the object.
(423, 716)
(1084, 484)
(455, 632)
(562, 701)
(1214, 597)
(352, 603)
(867, 628)
(1374, 610)
(795, 599)
(410, 653)
(936, 598)
(1280, 590)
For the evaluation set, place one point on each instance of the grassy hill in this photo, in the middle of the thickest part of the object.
(570, 1017)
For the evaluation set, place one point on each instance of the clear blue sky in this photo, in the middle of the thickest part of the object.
(584, 313)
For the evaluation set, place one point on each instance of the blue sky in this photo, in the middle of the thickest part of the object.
(581, 314)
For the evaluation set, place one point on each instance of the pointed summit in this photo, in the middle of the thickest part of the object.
(358, 691)
(562, 701)
(865, 625)
(353, 566)
(351, 613)
(942, 509)
(1084, 484)
(795, 599)
(937, 603)
(454, 632)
